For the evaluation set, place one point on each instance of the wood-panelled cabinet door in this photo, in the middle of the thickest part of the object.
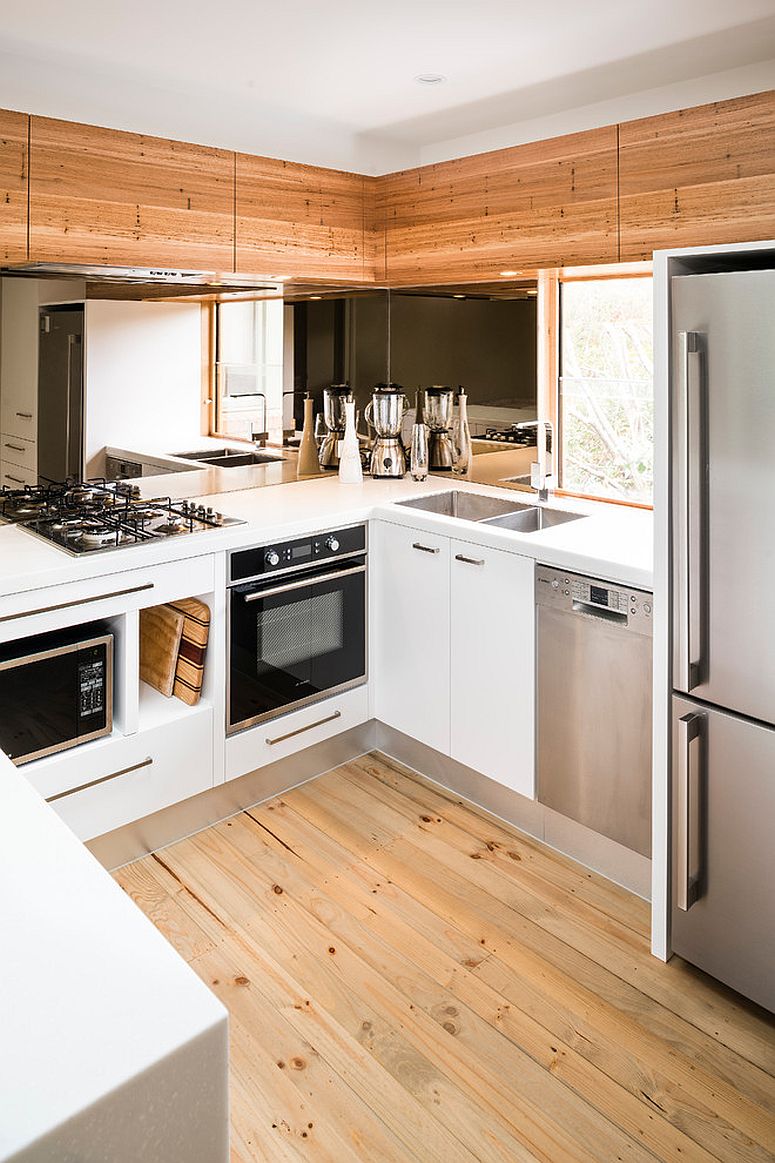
(546, 204)
(13, 186)
(492, 664)
(101, 196)
(410, 628)
(698, 177)
(299, 221)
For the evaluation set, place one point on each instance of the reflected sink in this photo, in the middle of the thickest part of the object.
(230, 457)
(465, 506)
(533, 520)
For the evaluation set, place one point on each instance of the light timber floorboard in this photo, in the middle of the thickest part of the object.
(409, 978)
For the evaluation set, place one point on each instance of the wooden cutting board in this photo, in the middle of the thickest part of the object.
(189, 672)
(161, 630)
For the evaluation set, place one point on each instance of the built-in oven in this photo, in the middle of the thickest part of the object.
(297, 624)
(56, 691)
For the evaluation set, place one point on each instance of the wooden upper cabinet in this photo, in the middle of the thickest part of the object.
(300, 221)
(103, 196)
(13, 186)
(546, 204)
(698, 176)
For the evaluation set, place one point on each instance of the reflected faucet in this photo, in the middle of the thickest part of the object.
(541, 476)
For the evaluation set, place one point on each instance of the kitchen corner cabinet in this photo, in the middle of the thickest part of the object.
(492, 670)
(13, 186)
(411, 632)
(454, 650)
(300, 221)
(114, 198)
(698, 176)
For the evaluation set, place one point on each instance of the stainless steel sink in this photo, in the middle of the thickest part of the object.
(533, 520)
(465, 506)
(230, 457)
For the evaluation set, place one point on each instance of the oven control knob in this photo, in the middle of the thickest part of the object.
(332, 544)
(272, 557)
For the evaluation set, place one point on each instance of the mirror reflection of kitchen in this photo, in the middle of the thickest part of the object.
(103, 379)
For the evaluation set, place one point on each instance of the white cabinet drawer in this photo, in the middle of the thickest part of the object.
(18, 419)
(51, 607)
(18, 452)
(257, 746)
(13, 477)
(136, 776)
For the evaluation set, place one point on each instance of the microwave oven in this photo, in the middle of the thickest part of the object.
(56, 691)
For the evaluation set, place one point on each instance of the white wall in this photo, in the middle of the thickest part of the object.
(143, 378)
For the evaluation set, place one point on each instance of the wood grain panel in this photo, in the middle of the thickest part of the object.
(545, 204)
(102, 196)
(698, 176)
(299, 221)
(13, 186)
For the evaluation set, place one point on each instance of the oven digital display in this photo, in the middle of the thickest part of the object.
(298, 552)
(598, 595)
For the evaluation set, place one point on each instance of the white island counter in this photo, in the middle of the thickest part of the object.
(112, 1048)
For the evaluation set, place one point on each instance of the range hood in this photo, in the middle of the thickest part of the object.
(195, 281)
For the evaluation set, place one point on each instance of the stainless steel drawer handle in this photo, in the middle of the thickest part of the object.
(15, 447)
(301, 730)
(305, 582)
(469, 560)
(425, 548)
(76, 601)
(103, 779)
(24, 415)
(688, 839)
(16, 480)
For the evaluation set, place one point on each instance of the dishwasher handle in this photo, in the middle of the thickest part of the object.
(614, 616)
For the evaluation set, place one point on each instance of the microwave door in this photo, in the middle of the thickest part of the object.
(723, 863)
(723, 483)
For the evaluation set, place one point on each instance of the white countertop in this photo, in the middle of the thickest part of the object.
(613, 542)
(92, 999)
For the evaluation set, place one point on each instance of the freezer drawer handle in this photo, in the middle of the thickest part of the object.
(425, 548)
(15, 447)
(469, 560)
(688, 825)
(301, 730)
(690, 511)
(24, 415)
(16, 480)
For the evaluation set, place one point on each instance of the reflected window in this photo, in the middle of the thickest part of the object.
(249, 368)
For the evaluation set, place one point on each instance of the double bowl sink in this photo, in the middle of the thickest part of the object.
(492, 511)
(229, 457)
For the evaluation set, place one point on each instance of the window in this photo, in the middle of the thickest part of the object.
(249, 368)
(606, 399)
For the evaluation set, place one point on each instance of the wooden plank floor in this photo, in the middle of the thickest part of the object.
(411, 979)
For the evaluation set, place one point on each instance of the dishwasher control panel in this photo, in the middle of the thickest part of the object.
(593, 597)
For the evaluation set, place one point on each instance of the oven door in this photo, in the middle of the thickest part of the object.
(296, 639)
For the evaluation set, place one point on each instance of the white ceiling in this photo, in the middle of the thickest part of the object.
(332, 81)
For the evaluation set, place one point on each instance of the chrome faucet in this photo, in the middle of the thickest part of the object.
(541, 476)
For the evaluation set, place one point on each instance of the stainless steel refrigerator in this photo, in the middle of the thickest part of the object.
(60, 393)
(723, 627)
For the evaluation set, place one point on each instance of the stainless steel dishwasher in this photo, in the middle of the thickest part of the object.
(594, 670)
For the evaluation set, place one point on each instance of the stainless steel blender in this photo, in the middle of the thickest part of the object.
(385, 413)
(335, 396)
(437, 412)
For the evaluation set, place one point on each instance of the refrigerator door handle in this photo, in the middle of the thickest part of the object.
(690, 512)
(688, 840)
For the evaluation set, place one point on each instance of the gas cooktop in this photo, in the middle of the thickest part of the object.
(90, 516)
(524, 437)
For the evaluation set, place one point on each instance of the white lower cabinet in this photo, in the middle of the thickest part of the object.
(454, 650)
(410, 624)
(141, 774)
(492, 667)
